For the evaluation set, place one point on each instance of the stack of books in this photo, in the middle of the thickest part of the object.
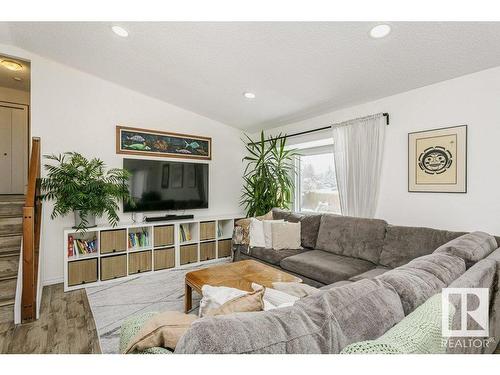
(184, 233)
(78, 246)
(138, 239)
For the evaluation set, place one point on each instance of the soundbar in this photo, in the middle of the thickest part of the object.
(168, 217)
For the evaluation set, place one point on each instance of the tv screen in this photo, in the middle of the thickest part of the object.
(166, 185)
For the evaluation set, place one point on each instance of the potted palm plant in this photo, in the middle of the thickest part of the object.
(269, 175)
(84, 187)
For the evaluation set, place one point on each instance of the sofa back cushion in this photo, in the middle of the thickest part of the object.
(280, 214)
(351, 236)
(471, 247)
(325, 322)
(402, 244)
(423, 277)
(309, 230)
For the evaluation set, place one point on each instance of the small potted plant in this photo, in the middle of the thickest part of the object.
(84, 187)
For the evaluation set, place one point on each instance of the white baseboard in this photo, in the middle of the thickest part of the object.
(56, 280)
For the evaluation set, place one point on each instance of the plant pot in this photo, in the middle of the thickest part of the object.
(90, 220)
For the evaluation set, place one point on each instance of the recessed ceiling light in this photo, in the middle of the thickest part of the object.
(120, 31)
(18, 79)
(11, 65)
(380, 31)
(249, 95)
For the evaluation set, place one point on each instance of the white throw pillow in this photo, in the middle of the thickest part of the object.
(275, 297)
(268, 232)
(257, 238)
(216, 296)
(286, 235)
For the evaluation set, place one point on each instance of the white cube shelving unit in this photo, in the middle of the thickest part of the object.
(124, 251)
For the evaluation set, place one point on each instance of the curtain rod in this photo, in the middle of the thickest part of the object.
(385, 114)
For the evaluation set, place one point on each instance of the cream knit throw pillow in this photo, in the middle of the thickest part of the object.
(286, 235)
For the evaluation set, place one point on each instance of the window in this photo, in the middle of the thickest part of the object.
(316, 184)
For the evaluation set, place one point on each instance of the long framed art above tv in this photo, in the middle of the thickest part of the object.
(136, 141)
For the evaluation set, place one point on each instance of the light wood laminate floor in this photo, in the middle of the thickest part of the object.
(65, 326)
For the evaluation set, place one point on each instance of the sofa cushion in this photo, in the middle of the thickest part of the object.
(471, 247)
(273, 256)
(325, 322)
(325, 267)
(351, 236)
(402, 244)
(370, 274)
(309, 230)
(423, 277)
(336, 284)
(280, 214)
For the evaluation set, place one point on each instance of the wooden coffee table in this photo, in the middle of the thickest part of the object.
(238, 275)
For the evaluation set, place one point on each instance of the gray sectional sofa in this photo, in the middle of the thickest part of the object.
(340, 249)
(372, 274)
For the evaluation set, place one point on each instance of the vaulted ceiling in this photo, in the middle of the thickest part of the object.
(296, 69)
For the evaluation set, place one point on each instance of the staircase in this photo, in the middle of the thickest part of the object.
(11, 227)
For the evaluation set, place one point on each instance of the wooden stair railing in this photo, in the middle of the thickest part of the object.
(31, 235)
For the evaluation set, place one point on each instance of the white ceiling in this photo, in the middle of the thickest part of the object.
(296, 69)
(6, 75)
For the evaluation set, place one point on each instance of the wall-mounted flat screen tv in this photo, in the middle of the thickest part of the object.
(166, 185)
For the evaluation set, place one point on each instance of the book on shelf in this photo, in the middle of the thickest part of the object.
(185, 233)
(219, 230)
(138, 239)
(79, 247)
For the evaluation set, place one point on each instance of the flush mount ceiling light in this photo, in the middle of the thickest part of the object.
(380, 31)
(120, 31)
(11, 65)
(249, 95)
(18, 79)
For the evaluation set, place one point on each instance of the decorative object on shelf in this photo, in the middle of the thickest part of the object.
(84, 187)
(437, 160)
(137, 141)
(269, 175)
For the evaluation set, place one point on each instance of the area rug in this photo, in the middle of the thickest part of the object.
(113, 303)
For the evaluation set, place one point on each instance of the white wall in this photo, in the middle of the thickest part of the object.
(74, 111)
(472, 100)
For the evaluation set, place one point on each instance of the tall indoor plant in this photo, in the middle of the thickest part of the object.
(84, 187)
(269, 175)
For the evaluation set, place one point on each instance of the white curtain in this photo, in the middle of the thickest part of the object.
(358, 146)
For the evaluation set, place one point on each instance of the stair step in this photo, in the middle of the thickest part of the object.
(11, 225)
(10, 243)
(9, 253)
(8, 288)
(11, 210)
(7, 314)
(8, 277)
(7, 302)
(9, 266)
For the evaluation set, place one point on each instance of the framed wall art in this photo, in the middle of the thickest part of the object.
(437, 160)
(146, 142)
